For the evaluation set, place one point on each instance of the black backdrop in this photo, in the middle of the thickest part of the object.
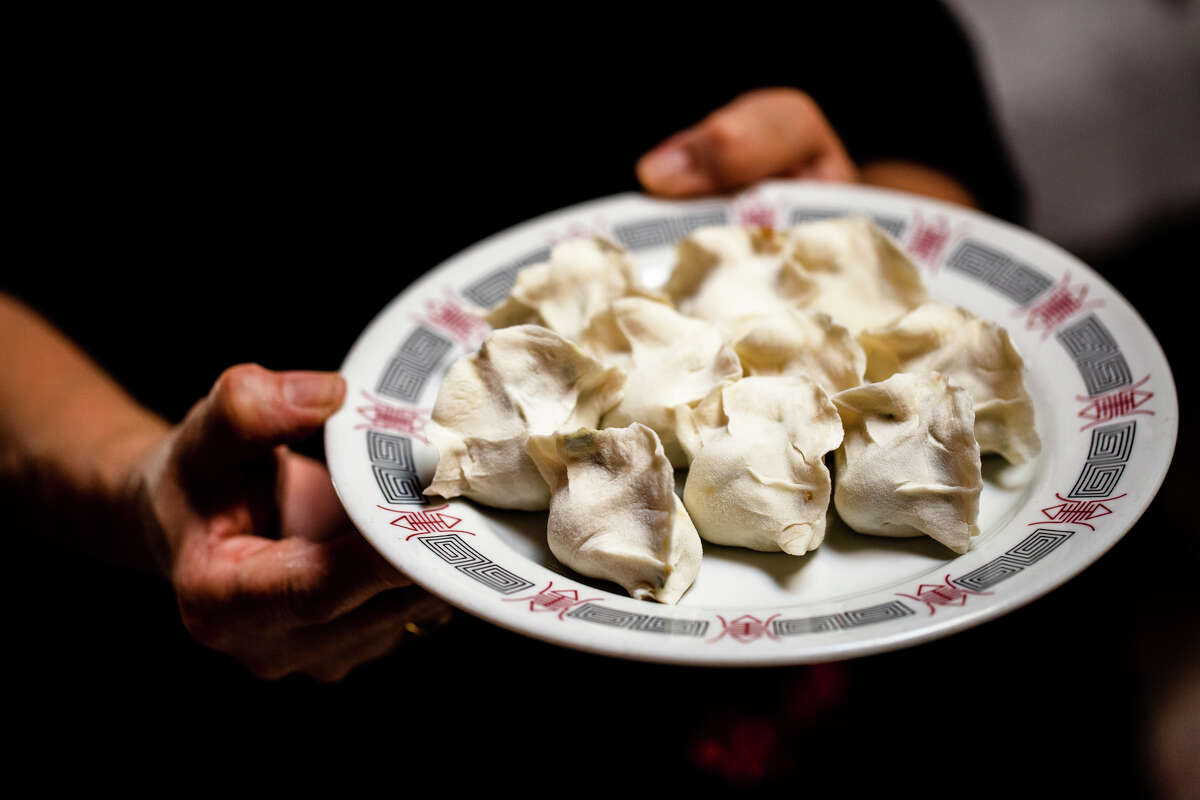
(194, 204)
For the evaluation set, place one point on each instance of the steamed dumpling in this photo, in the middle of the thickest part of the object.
(580, 279)
(909, 464)
(855, 272)
(614, 513)
(803, 343)
(847, 268)
(731, 276)
(758, 477)
(974, 353)
(670, 359)
(524, 380)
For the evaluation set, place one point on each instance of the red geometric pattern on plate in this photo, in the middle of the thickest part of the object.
(927, 241)
(745, 629)
(757, 208)
(449, 315)
(560, 600)
(1060, 304)
(429, 520)
(756, 212)
(394, 418)
(1076, 512)
(936, 594)
(1117, 403)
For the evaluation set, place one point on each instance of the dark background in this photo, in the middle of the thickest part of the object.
(198, 203)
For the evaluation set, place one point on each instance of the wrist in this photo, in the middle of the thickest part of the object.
(127, 460)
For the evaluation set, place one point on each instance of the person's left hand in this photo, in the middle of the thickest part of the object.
(264, 561)
(769, 133)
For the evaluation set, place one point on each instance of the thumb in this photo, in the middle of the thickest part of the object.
(251, 410)
(770, 132)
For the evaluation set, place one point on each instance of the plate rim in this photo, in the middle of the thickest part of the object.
(465, 596)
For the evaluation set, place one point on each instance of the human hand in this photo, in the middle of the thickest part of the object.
(264, 561)
(768, 133)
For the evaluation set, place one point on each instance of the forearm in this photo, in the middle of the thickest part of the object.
(69, 440)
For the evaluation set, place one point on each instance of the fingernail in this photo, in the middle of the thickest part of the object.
(662, 165)
(312, 389)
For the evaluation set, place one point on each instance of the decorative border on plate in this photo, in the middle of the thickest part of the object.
(1030, 550)
(893, 225)
(452, 549)
(1016, 280)
(1096, 355)
(394, 468)
(662, 231)
(1108, 454)
(602, 615)
(495, 285)
(844, 620)
(413, 364)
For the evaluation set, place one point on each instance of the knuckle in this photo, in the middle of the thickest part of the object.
(206, 627)
(778, 94)
(314, 590)
(727, 133)
(208, 607)
(265, 670)
(329, 674)
(307, 602)
(197, 610)
(236, 378)
(797, 96)
(234, 394)
(308, 609)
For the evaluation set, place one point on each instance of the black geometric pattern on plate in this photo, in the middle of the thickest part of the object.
(799, 215)
(1096, 354)
(494, 286)
(413, 364)
(387, 450)
(661, 231)
(1027, 552)
(1107, 456)
(842, 621)
(602, 615)
(893, 225)
(454, 551)
(1019, 281)
(398, 486)
(394, 468)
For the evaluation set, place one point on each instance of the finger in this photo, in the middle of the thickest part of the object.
(304, 647)
(310, 507)
(225, 452)
(251, 410)
(762, 134)
(300, 582)
(672, 170)
(754, 136)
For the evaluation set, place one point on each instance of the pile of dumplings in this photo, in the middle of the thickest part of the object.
(765, 352)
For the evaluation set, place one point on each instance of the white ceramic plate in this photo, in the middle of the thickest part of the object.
(1106, 412)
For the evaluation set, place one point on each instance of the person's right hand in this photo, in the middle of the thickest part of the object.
(775, 133)
(767, 133)
(265, 563)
